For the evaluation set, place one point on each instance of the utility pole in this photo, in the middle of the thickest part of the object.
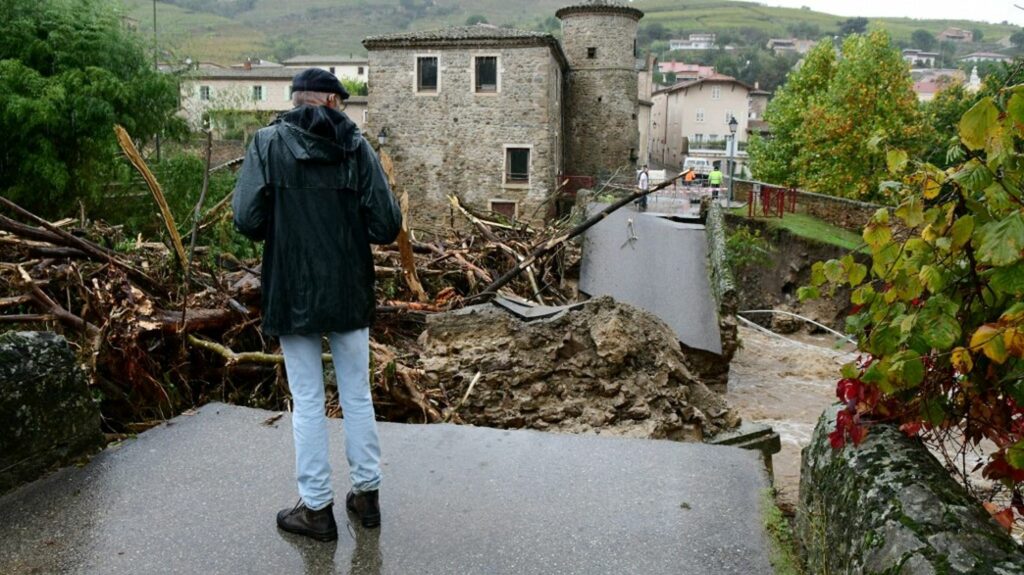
(156, 68)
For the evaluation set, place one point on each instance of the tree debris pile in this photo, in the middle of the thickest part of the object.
(162, 330)
(600, 366)
(154, 347)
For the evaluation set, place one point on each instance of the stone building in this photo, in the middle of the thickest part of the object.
(601, 120)
(495, 115)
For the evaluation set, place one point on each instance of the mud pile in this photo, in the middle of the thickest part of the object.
(601, 367)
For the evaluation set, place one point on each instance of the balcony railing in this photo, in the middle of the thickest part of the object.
(722, 145)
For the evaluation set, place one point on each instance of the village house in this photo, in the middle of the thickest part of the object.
(684, 72)
(350, 68)
(920, 59)
(645, 90)
(692, 119)
(986, 57)
(956, 35)
(790, 45)
(694, 42)
(498, 117)
(210, 91)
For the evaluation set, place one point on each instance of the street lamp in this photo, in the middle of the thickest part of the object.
(733, 126)
(382, 137)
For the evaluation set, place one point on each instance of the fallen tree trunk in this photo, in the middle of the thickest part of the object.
(549, 245)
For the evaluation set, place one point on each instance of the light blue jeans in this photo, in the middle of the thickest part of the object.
(304, 365)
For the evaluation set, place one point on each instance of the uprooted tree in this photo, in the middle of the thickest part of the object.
(939, 314)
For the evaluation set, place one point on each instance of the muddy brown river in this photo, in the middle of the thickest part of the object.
(786, 385)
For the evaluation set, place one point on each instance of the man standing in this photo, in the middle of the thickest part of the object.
(312, 189)
(715, 178)
(643, 182)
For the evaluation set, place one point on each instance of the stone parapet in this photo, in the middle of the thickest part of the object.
(47, 414)
(842, 212)
(889, 507)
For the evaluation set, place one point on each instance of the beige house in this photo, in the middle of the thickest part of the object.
(210, 91)
(348, 68)
(692, 119)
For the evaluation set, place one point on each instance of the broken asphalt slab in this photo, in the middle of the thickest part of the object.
(199, 494)
(657, 264)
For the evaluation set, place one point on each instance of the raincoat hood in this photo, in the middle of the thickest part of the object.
(319, 133)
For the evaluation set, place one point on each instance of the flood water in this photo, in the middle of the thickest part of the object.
(787, 385)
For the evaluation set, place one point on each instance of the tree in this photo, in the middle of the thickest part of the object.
(977, 34)
(1017, 39)
(69, 71)
(804, 30)
(870, 99)
(853, 26)
(476, 19)
(830, 118)
(923, 40)
(772, 160)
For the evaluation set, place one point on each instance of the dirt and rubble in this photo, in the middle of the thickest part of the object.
(602, 367)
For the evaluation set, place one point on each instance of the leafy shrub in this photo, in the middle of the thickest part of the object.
(939, 314)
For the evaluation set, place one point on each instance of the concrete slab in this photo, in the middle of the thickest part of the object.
(199, 495)
(657, 264)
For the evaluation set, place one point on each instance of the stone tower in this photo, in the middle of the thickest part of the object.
(601, 131)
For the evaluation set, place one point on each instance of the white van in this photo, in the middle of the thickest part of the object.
(700, 166)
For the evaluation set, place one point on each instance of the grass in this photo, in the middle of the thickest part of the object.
(812, 228)
(781, 540)
(339, 26)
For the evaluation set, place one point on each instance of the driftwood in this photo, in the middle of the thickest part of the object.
(404, 242)
(125, 141)
(549, 245)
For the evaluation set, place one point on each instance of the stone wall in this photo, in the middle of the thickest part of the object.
(47, 414)
(713, 369)
(889, 507)
(454, 141)
(844, 213)
(602, 133)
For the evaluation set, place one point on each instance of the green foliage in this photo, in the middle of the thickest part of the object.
(476, 19)
(923, 40)
(746, 247)
(68, 72)
(940, 318)
(849, 107)
(1017, 39)
(355, 87)
(771, 160)
(853, 26)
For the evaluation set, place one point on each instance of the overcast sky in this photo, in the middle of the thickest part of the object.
(987, 10)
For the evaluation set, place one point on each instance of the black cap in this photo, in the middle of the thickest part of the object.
(317, 80)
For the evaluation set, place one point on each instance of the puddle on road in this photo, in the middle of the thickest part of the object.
(785, 385)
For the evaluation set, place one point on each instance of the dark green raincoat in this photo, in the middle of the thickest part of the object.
(311, 188)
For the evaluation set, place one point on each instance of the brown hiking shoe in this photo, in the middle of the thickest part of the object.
(301, 520)
(366, 506)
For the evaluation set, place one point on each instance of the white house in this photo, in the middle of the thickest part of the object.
(986, 57)
(917, 58)
(341, 66)
(695, 42)
(210, 89)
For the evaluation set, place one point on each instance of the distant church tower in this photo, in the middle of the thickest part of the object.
(601, 131)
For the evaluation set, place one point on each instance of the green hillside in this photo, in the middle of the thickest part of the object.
(228, 30)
